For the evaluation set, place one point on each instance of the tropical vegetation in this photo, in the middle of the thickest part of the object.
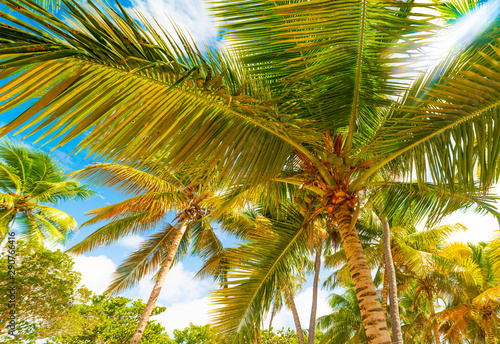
(46, 289)
(31, 182)
(308, 112)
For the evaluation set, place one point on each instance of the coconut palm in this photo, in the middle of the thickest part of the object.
(478, 310)
(406, 204)
(312, 84)
(344, 324)
(31, 181)
(154, 197)
(274, 238)
(417, 261)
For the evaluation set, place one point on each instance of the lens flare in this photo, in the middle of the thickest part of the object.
(459, 34)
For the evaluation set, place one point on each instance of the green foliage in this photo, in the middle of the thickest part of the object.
(29, 181)
(46, 290)
(153, 197)
(279, 337)
(284, 337)
(195, 334)
(206, 334)
(112, 320)
(344, 324)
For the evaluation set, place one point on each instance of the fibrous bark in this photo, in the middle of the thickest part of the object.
(162, 274)
(372, 314)
(312, 321)
(295, 314)
(437, 339)
(397, 334)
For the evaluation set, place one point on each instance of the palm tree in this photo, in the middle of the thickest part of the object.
(435, 271)
(154, 196)
(292, 73)
(479, 305)
(273, 238)
(410, 203)
(344, 324)
(30, 181)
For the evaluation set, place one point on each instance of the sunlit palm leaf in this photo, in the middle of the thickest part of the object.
(413, 202)
(255, 275)
(127, 179)
(166, 88)
(142, 262)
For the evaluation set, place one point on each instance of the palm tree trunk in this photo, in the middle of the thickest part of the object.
(295, 314)
(385, 290)
(273, 312)
(162, 274)
(489, 329)
(397, 334)
(314, 308)
(372, 314)
(433, 313)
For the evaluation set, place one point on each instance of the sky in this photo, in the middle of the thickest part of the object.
(186, 298)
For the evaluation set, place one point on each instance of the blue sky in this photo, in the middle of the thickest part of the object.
(185, 298)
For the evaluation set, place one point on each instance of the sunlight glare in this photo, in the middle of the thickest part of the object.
(455, 37)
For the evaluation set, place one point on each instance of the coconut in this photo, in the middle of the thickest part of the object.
(337, 162)
(330, 157)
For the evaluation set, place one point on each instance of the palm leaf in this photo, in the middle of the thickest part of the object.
(115, 230)
(167, 87)
(144, 261)
(128, 179)
(414, 202)
(258, 268)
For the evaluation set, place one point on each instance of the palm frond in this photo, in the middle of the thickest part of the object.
(413, 202)
(157, 204)
(447, 125)
(111, 232)
(326, 58)
(488, 297)
(176, 97)
(251, 282)
(142, 262)
(128, 179)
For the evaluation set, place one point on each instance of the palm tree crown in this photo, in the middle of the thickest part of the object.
(154, 196)
(29, 181)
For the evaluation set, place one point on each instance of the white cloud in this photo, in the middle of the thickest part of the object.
(179, 287)
(479, 227)
(303, 302)
(96, 272)
(190, 15)
(131, 241)
(184, 297)
(179, 315)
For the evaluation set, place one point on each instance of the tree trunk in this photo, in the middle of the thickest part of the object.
(385, 290)
(312, 321)
(489, 329)
(162, 274)
(397, 334)
(273, 312)
(295, 314)
(433, 313)
(372, 314)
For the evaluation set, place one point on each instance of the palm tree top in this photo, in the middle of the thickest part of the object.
(31, 181)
